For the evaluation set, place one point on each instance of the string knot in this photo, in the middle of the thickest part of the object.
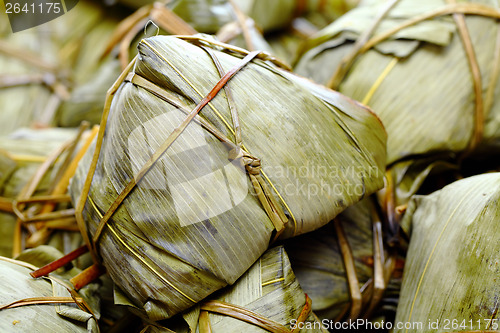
(252, 164)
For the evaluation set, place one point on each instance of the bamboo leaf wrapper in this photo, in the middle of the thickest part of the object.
(195, 222)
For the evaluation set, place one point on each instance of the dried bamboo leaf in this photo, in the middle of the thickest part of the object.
(117, 38)
(23, 151)
(35, 316)
(23, 101)
(26, 149)
(270, 15)
(452, 269)
(317, 261)
(45, 254)
(179, 227)
(409, 175)
(210, 15)
(206, 16)
(276, 15)
(97, 296)
(90, 76)
(39, 67)
(269, 288)
(418, 80)
(87, 99)
(288, 44)
(7, 167)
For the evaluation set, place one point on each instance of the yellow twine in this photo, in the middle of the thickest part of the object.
(379, 81)
(136, 254)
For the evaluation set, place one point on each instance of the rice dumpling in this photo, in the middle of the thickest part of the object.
(40, 67)
(410, 65)
(452, 268)
(317, 260)
(42, 305)
(266, 298)
(21, 155)
(182, 199)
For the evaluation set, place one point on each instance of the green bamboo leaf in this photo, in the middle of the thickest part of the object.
(452, 267)
(192, 225)
(32, 296)
(269, 288)
(317, 261)
(44, 68)
(418, 80)
(21, 154)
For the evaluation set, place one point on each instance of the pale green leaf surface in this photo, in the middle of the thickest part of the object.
(452, 267)
(317, 261)
(426, 101)
(268, 288)
(17, 285)
(286, 121)
(23, 141)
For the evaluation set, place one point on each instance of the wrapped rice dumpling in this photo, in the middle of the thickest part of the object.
(27, 80)
(44, 68)
(452, 267)
(206, 16)
(42, 305)
(87, 98)
(432, 93)
(117, 44)
(189, 200)
(95, 299)
(267, 296)
(21, 155)
(276, 15)
(318, 264)
(91, 76)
